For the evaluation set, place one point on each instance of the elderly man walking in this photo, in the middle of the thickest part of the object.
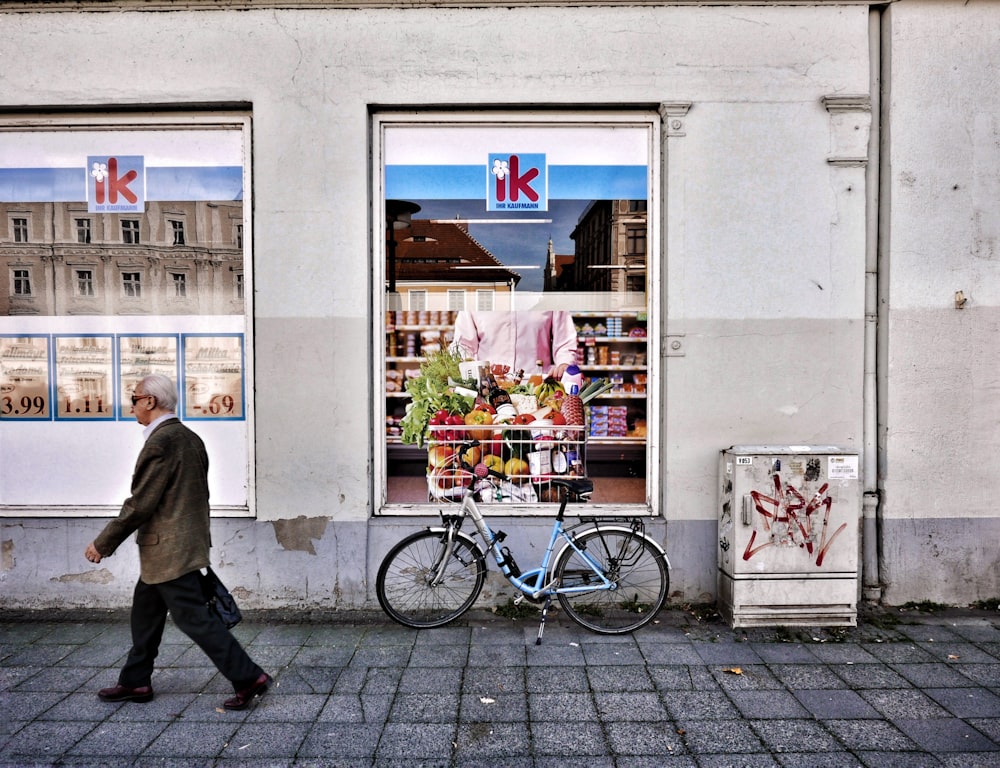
(169, 513)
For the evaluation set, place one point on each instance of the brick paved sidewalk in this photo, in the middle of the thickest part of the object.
(902, 690)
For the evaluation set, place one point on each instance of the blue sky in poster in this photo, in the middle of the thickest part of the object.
(514, 244)
(69, 185)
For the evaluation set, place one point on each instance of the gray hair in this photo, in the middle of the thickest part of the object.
(163, 389)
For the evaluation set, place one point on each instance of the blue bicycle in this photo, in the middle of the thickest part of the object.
(608, 575)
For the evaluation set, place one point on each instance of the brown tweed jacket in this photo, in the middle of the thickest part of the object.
(168, 508)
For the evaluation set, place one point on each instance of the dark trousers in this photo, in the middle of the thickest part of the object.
(185, 602)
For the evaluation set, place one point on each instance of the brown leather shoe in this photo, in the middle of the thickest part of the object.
(139, 695)
(243, 698)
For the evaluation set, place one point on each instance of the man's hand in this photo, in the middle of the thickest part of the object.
(92, 554)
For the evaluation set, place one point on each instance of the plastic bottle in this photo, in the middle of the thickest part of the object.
(571, 377)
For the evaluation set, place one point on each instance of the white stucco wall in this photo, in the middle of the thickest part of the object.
(942, 378)
(764, 240)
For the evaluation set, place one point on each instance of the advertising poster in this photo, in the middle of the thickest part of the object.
(125, 232)
(213, 376)
(85, 377)
(140, 356)
(24, 378)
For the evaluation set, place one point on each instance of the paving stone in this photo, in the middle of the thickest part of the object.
(742, 761)
(862, 735)
(785, 653)
(899, 653)
(630, 679)
(191, 740)
(661, 738)
(118, 739)
(495, 707)
(734, 737)
(727, 653)
(431, 680)
(768, 704)
(700, 705)
(945, 735)
(565, 707)
(908, 704)
(933, 675)
(827, 704)
(794, 736)
(346, 740)
(826, 760)
(557, 679)
(632, 707)
(876, 759)
(45, 739)
(966, 702)
(746, 677)
(414, 742)
(811, 676)
(578, 740)
(492, 740)
(870, 676)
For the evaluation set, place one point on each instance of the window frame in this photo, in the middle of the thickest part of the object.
(646, 118)
(130, 234)
(80, 282)
(238, 123)
(25, 280)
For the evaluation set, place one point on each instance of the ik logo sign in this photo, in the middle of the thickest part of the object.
(116, 184)
(517, 182)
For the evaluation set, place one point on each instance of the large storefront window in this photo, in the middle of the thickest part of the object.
(519, 254)
(124, 257)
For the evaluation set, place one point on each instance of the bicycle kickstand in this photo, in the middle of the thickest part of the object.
(545, 613)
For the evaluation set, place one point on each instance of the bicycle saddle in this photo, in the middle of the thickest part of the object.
(579, 486)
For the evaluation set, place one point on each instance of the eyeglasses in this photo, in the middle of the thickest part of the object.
(137, 398)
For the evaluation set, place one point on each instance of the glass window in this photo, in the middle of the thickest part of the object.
(21, 282)
(76, 359)
(83, 231)
(541, 224)
(180, 284)
(178, 232)
(84, 282)
(132, 284)
(20, 230)
(130, 232)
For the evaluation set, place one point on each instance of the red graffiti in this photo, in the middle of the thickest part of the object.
(791, 521)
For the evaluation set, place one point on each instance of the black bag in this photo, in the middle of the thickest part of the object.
(218, 599)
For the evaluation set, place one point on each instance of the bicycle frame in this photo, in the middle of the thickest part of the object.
(528, 582)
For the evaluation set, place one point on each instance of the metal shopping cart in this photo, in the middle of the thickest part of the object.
(529, 455)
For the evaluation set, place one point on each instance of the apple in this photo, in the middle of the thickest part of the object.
(515, 467)
(494, 462)
(472, 455)
(524, 418)
(439, 455)
(557, 418)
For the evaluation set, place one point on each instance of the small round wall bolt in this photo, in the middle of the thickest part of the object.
(675, 345)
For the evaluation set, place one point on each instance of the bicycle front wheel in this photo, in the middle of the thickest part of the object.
(636, 569)
(425, 582)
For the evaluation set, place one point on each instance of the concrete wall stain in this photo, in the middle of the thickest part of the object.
(298, 534)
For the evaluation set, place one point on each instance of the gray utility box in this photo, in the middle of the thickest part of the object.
(789, 518)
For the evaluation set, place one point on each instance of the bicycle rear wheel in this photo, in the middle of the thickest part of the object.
(635, 566)
(406, 587)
